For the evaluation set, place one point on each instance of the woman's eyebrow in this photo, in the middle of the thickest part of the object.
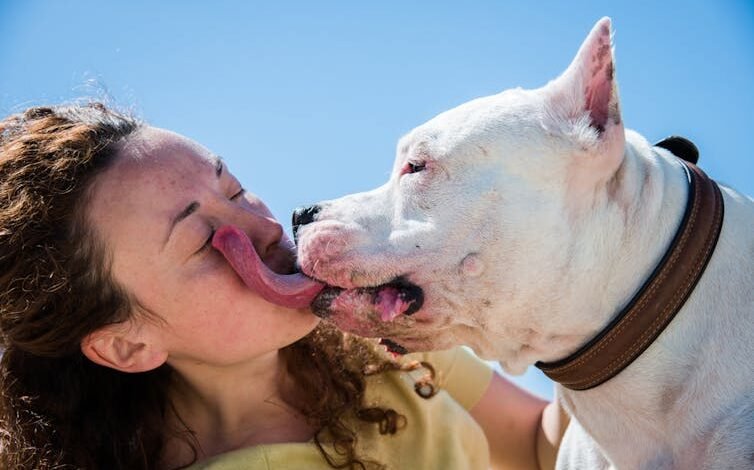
(192, 207)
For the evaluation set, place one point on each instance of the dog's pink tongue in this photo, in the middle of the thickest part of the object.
(390, 304)
(291, 290)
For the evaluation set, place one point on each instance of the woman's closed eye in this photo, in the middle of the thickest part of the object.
(238, 194)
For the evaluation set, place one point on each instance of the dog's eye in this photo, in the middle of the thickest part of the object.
(414, 167)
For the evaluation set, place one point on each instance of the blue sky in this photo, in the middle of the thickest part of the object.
(306, 100)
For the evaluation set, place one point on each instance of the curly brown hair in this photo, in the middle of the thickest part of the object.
(56, 406)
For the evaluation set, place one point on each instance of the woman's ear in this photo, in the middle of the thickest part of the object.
(124, 347)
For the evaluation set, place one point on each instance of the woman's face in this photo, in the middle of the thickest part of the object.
(156, 209)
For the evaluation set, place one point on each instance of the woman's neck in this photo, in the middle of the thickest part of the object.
(232, 407)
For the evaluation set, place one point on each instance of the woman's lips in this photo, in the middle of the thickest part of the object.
(289, 290)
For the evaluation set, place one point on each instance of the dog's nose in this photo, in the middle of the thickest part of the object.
(303, 216)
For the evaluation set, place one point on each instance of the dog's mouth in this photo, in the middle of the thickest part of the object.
(371, 311)
(385, 301)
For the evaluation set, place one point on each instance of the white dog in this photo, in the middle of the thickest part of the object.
(523, 224)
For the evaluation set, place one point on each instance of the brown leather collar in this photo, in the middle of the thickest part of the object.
(658, 301)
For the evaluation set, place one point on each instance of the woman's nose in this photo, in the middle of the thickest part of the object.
(262, 229)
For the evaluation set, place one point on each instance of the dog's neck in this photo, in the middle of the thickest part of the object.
(660, 298)
(621, 237)
(621, 233)
(651, 192)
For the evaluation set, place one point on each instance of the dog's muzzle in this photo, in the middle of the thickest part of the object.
(389, 300)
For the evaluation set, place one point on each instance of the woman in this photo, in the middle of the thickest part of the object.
(130, 341)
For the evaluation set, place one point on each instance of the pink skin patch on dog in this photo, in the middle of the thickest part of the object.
(363, 305)
(354, 311)
(359, 309)
(354, 308)
(289, 290)
(387, 303)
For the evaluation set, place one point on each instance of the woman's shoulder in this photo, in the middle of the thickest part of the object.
(437, 432)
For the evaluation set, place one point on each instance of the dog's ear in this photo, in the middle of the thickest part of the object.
(585, 98)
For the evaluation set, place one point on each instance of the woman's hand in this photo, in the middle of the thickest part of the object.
(523, 431)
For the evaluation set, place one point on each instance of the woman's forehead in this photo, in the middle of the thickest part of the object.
(152, 144)
(155, 170)
(155, 175)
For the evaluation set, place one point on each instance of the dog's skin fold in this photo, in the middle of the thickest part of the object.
(529, 219)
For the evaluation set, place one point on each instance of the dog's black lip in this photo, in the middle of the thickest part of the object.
(393, 347)
(321, 304)
(408, 292)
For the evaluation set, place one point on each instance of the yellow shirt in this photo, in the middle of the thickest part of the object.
(439, 433)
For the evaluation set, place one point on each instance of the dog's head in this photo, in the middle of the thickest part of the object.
(472, 233)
